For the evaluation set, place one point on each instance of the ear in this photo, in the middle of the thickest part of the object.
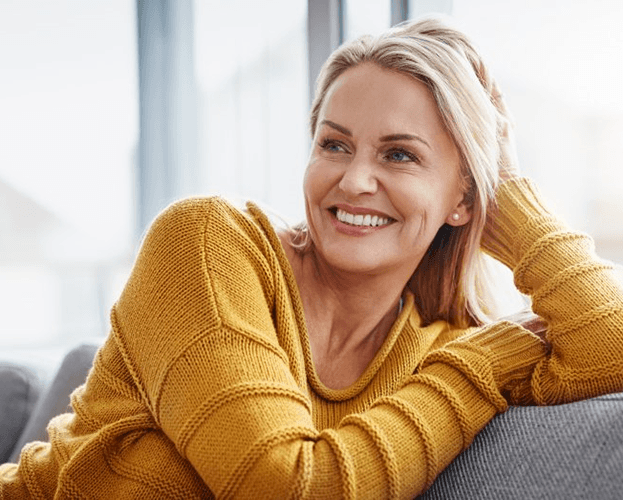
(459, 216)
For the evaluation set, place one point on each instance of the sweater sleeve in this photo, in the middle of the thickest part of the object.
(578, 295)
(196, 327)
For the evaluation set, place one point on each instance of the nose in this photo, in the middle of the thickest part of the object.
(359, 177)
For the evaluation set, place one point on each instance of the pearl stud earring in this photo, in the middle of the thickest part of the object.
(455, 216)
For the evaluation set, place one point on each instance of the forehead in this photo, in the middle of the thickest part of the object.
(386, 99)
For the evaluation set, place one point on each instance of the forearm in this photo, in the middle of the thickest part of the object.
(571, 289)
(257, 439)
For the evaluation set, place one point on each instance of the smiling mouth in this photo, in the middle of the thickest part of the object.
(361, 220)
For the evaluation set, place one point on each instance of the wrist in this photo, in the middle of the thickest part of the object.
(506, 350)
(517, 218)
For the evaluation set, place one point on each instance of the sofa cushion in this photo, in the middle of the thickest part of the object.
(19, 390)
(569, 451)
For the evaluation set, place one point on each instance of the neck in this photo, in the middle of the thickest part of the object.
(347, 310)
(348, 315)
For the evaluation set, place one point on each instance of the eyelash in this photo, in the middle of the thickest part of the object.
(408, 154)
(326, 143)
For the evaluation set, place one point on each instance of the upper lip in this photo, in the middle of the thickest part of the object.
(359, 210)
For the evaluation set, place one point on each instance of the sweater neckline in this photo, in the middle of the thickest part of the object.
(408, 311)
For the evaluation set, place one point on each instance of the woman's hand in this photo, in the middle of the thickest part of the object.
(530, 321)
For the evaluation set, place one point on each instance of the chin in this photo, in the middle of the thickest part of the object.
(357, 266)
(353, 260)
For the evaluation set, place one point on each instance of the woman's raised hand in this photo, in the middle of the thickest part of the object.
(530, 321)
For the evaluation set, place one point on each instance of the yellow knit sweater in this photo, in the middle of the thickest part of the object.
(205, 386)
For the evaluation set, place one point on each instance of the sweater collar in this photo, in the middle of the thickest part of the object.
(407, 315)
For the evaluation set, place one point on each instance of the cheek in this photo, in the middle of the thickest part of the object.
(421, 203)
(308, 180)
(316, 182)
(410, 196)
(313, 192)
(308, 186)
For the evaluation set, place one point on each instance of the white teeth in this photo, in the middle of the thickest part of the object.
(361, 220)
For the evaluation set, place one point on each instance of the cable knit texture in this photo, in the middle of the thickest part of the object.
(206, 387)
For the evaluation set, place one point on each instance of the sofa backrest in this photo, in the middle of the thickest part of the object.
(55, 399)
(20, 388)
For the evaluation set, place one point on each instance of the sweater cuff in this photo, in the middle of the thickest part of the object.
(518, 218)
(510, 350)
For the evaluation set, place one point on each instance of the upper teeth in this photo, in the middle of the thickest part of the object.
(361, 220)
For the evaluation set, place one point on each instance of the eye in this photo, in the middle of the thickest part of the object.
(332, 146)
(400, 156)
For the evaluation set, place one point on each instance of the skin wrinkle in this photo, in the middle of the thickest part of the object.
(403, 137)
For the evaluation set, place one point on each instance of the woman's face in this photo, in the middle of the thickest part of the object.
(383, 175)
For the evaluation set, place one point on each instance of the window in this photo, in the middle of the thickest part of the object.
(251, 67)
(69, 131)
(69, 99)
(366, 17)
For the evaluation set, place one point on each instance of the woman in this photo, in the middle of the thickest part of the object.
(352, 356)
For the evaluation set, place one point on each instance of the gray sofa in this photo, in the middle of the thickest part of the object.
(572, 451)
(27, 404)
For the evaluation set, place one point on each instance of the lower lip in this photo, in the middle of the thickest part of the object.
(351, 230)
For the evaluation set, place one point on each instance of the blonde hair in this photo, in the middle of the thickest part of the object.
(449, 283)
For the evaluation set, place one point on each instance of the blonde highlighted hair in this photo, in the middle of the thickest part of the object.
(449, 283)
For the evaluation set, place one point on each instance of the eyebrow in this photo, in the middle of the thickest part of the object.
(404, 137)
(337, 127)
(385, 138)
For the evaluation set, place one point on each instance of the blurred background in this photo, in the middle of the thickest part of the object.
(111, 109)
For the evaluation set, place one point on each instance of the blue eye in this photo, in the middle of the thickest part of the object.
(400, 156)
(332, 146)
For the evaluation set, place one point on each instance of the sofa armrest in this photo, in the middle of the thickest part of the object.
(571, 451)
